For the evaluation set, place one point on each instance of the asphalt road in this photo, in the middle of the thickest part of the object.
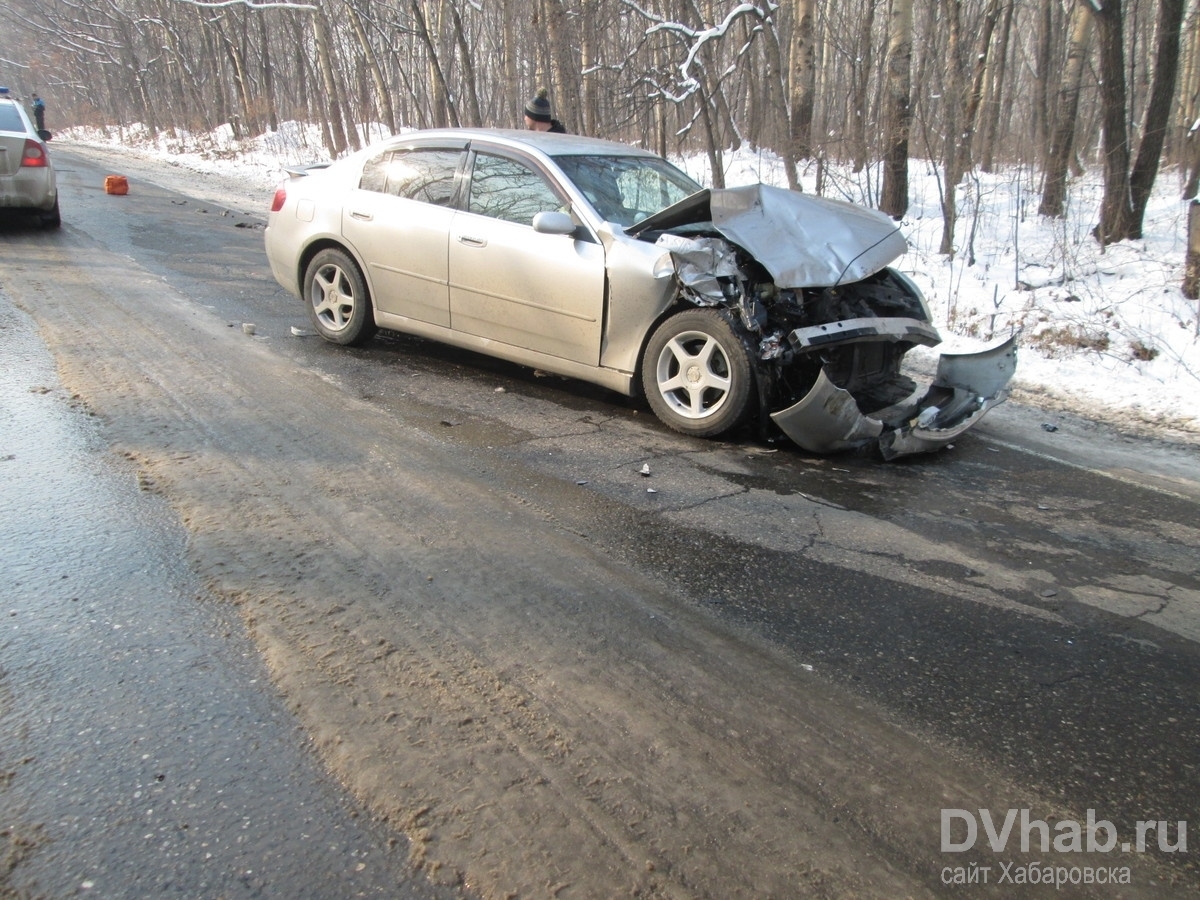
(142, 751)
(1027, 602)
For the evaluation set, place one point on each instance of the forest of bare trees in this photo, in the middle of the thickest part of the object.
(1053, 87)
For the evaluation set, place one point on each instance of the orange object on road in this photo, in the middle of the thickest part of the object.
(116, 184)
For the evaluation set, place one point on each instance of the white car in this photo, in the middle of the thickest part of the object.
(604, 262)
(27, 182)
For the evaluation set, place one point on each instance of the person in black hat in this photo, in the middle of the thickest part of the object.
(537, 114)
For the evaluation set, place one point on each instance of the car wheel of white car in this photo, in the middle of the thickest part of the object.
(696, 373)
(52, 219)
(338, 301)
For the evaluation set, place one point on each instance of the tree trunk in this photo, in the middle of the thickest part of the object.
(1193, 182)
(565, 65)
(589, 115)
(268, 77)
(1191, 273)
(1045, 53)
(1116, 210)
(898, 111)
(444, 109)
(864, 61)
(772, 104)
(468, 70)
(996, 90)
(951, 154)
(712, 142)
(802, 79)
(1062, 142)
(372, 63)
(331, 90)
(965, 133)
(510, 9)
(1158, 111)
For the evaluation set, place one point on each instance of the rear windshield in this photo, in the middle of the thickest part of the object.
(10, 119)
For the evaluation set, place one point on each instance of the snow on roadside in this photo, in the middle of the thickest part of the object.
(1105, 332)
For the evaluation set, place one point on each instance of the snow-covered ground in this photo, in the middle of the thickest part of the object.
(1106, 332)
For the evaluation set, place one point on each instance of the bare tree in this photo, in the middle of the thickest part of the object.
(1054, 189)
(802, 80)
(1158, 111)
(996, 88)
(861, 81)
(952, 146)
(1116, 210)
(1126, 191)
(898, 122)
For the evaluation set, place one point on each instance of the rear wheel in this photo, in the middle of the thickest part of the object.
(337, 298)
(52, 219)
(697, 374)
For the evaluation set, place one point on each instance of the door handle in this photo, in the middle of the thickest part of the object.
(361, 216)
(471, 241)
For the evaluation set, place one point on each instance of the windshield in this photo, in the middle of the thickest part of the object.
(626, 189)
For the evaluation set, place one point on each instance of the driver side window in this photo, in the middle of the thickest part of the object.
(509, 190)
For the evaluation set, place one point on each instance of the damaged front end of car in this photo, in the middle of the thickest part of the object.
(827, 319)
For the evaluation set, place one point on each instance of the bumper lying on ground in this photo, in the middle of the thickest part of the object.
(828, 419)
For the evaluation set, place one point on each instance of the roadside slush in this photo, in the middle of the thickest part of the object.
(143, 752)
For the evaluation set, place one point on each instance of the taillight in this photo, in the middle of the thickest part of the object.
(35, 155)
(280, 197)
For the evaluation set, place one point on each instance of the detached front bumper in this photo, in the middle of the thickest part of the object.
(827, 419)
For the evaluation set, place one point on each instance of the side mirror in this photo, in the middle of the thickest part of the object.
(44, 134)
(553, 223)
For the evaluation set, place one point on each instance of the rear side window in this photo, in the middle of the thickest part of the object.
(374, 176)
(424, 175)
(10, 119)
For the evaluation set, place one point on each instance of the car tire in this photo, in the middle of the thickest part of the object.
(338, 302)
(696, 373)
(52, 219)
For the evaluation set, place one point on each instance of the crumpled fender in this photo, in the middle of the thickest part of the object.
(967, 385)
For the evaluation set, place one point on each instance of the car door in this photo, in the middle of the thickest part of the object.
(398, 219)
(510, 283)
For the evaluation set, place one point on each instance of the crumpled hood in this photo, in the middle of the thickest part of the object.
(801, 240)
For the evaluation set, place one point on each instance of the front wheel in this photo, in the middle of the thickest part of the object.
(696, 373)
(337, 298)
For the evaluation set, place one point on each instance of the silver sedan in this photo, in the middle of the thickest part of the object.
(27, 181)
(603, 262)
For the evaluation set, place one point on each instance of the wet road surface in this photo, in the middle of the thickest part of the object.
(142, 751)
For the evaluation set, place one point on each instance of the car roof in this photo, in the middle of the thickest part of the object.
(549, 143)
